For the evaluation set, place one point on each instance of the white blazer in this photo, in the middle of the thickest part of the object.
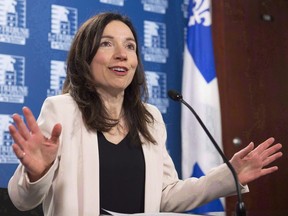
(71, 186)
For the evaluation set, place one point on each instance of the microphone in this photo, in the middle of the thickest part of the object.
(240, 207)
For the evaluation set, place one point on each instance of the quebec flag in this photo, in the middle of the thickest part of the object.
(200, 90)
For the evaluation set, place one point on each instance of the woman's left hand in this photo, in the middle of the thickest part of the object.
(250, 163)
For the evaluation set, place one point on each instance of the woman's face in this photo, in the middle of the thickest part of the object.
(115, 62)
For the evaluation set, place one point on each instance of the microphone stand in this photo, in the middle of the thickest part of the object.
(240, 207)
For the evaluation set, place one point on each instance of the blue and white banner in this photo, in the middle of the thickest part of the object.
(200, 90)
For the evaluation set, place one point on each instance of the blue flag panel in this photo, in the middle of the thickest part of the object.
(200, 89)
(199, 39)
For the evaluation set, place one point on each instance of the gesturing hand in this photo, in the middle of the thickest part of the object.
(35, 151)
(250, 163)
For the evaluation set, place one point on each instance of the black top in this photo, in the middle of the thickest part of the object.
(122, 176)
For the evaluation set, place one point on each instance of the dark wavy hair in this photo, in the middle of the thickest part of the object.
(81, 84)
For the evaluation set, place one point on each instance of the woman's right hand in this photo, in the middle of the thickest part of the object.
(35, 151)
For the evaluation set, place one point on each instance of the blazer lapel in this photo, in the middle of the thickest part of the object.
(153, 175)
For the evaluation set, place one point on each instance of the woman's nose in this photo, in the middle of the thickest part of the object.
(120, 53)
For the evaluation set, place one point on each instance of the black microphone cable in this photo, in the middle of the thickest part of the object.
(240, 207)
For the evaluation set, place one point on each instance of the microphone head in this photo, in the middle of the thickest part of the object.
(174, 95)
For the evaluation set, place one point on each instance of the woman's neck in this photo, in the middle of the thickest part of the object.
(113, 103)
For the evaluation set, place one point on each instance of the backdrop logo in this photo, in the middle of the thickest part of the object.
(157, 88)
(12, 75)
(63, 27)
(154, 49)
(57, 77)
(113, 2)
(156, 6)
(6, 141)
(13, 22)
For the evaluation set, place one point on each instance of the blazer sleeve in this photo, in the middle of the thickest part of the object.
(26, 195)
(183, 195)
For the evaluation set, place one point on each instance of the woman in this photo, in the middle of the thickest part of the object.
(98, 147)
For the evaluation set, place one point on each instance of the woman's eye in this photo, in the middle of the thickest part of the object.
(105, 44)
(131, 46)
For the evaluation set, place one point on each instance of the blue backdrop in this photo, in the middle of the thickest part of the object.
(35, 37)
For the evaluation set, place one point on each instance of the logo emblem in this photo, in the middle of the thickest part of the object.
(113, 2)
(12, 79)
(154, 49)
(6, 153)
(57, 77)
(13, 22)
(157, 88)
(63, 27)
(159, 6)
